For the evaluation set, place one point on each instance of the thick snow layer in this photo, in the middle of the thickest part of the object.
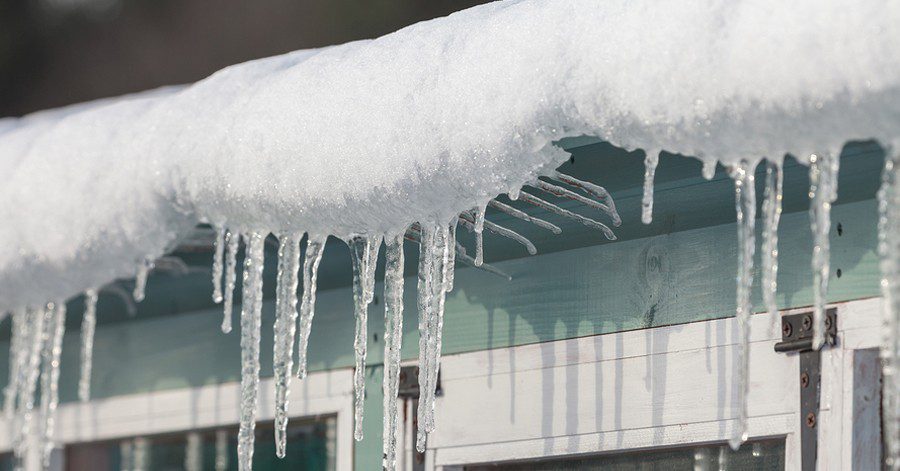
(434, 119)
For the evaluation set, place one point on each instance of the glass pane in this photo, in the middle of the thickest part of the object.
(310, 447)
(758, 455)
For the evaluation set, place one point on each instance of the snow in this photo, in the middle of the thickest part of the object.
(411, 133)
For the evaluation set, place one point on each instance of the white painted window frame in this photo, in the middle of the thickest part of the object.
(541, 400)
(182, 410)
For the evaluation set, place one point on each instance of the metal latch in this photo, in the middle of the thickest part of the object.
(409, 390)
(796, 337)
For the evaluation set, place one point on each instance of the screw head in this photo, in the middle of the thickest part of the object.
(804, 380)
(786, 329)
(810, 420)
(807, 322)
(827, 322)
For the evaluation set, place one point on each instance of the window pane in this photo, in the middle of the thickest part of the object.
(310, 447)
(759, 455)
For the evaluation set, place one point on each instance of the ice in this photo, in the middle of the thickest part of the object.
(193, 452)
(478, 227)
(50, 378)
(651, 159)
(231, 247)
(745, 205)
(91, 190)
(126, 455)
(709, 169)
(140, 279)
(434, 254)
(889, 251)
(29, 371)
(311, 259)
(505, 208)
(217, 267)
(771, 209)
(88, 326)
(823, 171)
(363, 253)
(608, 204)
(285, 330)
(251, 311)
(393, 336)
(18, 343)
(141, 454)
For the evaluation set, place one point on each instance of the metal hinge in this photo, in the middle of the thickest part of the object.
(409, 391)
(796, 337)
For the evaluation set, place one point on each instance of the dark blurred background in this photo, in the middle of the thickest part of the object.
(58, 52)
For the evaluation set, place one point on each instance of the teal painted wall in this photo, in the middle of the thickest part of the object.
(680, 269)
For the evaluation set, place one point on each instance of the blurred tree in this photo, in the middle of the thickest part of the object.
(57, 52)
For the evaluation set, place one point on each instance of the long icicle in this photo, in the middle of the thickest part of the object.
(314, 249)
(823, 172)
(251, 311)
(217, 266)
(425, 302)
(531, 199)
(468, 220)
(231, 240)
(361, 248)
(393, 340)
(439, 288)
(651, 159)
(16, 360)
(889, 251)
(561, 192)
(771, 208)
(50, 380)
(745, 205)
(193, 452)
(28, 376)
(88, 328)
(285, 331)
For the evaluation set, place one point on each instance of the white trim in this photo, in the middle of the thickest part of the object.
(321, 393)
(660, 387)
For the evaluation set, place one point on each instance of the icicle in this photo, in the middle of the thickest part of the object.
(433, 253)
(28, 375)
(362, 256)
(193, 452)
(251, 311)
(140, 279)
(221, 450)
(531, 199)
(231, 247)
(217, 267)
(651, 159)
(771, 208)
(561, 192)
(16, 361)
(823, 172)
(745, 205)
(450, 263)
(596, 190)
(709, 169)
(393, 336)
(464, 257)
(141, 454)
(525, 216)
(468, 220)
(50, 379)
(314, 250)
(88, 326)
(889, 251)
(285, 330)
(479, 240)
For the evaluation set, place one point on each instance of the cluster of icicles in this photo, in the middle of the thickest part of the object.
(37, 333)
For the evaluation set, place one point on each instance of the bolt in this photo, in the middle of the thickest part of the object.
(807, 322)
(810, 420)
(786, 329)
(804, 380)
